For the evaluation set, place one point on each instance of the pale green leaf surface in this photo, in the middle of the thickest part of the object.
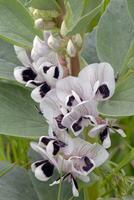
(131, 8)
(18, 184)
(18, 115)
(43, 4)
(16, 25)
(78, 20)
(8, 60)
(114, 34)
(122, 103)
(88, 51)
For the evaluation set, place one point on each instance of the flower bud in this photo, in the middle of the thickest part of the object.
(39, 23)
(54, 42)
(71, 50)
(63, 30)
(35, 12)
(77, 39)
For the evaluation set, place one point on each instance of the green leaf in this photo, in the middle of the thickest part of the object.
(8, 60)
(122, 103)
(115, 34)
(78, 20)
(18, 115)
(18, 184)
(43, 5)
(88, 51)
(131, 8)
(16, 25)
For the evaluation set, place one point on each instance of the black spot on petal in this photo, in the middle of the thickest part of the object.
(61, 144)
(104, 134)
(70, 100)
(48, 169)
(56, 73)
(44, 89)
(56, 148)
(35, 83)
(103, 89)
(66, 175)
(77, 125)
(28, 75)
(116, 127)
(59, 120)
(88, 164)
(45, 69)
(38, 163)
(45, 140)
(75, 183)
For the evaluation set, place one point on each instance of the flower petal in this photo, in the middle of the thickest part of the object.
(119, 130)
(66, 88)
(74, 187)
(45, 171)
(40, 48)
(96, 130)
(51, 72)
(50, 106)
(96, 152)
(107, 79)
(24, 74)
(37, 164)
(44, 154)
(80, 111)
(77, 126)
(105, 138)
(85, 179)
(22, 55)
(39, 92)
(100, 81)
(52, 148)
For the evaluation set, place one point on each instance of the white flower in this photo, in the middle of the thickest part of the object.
(97, 81)
(77, 163)
(82, 115)
(26, 72)
(41, 70)
(52, 110)
(40, 47)
(69, 91)
(103, 130)
(94, 82)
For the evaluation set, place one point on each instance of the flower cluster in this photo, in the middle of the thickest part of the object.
(69, 105)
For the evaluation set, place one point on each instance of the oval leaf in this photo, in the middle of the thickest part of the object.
(16, 25)
(18, 184)
(18, 115)
(114, 34)
(78, 20)
(88, 51)
(8, 60)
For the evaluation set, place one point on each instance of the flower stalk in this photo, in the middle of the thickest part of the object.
(75, 65)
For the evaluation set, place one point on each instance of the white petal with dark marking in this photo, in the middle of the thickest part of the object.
(23, 56)
(24, 74)
(39, 93)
